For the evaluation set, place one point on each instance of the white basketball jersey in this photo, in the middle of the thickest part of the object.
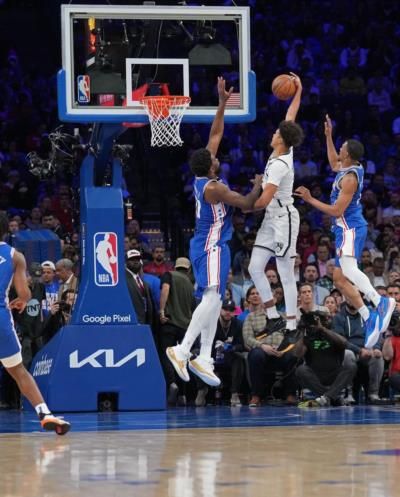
(279, 171)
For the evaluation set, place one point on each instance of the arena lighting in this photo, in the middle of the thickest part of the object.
(207, 51)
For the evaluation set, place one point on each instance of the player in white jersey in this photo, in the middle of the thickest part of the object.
(277, 236)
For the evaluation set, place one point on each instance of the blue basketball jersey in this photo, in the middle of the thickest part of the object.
(6, 272)
(352, 216)
(213, 221)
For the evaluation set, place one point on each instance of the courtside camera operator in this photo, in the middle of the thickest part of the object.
(323, 371)
(391, 350)
(60, 314)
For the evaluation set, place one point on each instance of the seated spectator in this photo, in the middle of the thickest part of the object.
(379, 97)
(239, 231)
(331, 305)
(279, 298)
(13, 229)
(253, 301)
(377, 276)
(244, 253)
(305, 239)
(304, 166)
(327, 280)
(391, 351)
(132, 229)
(51, 285)
(144, 249)
(59, 315)
(349, 324)
(229, 355)
(33, 221)
(306, 301)
(50, 222)
(273, 277)
(394, 292)
(265, 358)
(381, 290)
(394, 208)
(320, 258)
(353, 55)
(324, 371)
(159, 265)
(241, 282)
(310, 276)
(352, 84)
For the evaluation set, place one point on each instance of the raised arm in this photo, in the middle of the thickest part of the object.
(333, 156)
(349, 186)
(219, 192)
(295, 103)
(20, 283)
(217, 127)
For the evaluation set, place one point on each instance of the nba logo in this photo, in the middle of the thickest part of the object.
(83, 89)
(105, 259)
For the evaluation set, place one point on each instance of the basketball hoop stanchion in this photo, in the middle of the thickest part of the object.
(165, 115)
(103, 352)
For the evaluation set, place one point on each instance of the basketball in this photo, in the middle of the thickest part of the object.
(283, 87)
(113, 259)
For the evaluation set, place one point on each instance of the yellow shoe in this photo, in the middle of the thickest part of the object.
(179, 360)
(203, 367)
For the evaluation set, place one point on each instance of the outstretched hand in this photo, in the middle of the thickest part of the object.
(304, 193)
(17, 304)
(223, 95)
(297, 81)
(328, 126)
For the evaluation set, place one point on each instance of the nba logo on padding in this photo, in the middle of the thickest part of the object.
(83, 89)
(105, 259)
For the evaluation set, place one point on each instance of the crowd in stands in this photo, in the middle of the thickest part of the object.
(347, 55)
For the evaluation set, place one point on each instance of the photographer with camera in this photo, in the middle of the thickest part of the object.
(391, 350)
(369, 362)
(323, 371)
(60, 314)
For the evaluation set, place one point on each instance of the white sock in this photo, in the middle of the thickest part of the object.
(203, 318)
(272, 313)
(42, 409)
(373, 297)
(291, 324)
(364, 312)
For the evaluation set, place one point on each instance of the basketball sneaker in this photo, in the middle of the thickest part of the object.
(290, 338)
(50, 422)
(203, 367)
(179, 360)
(385, 310)
(275, 324)
(372, 328)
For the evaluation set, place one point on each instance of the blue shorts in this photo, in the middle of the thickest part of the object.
(349, 242)
(211, 268)
(9, 343)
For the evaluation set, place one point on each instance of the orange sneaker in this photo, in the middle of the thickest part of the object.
(53, 423)
(255, 401)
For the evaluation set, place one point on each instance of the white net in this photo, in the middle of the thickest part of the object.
(165, 116)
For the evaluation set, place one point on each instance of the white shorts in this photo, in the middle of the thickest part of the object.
(279, 231)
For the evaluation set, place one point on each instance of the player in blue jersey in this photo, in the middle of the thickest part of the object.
(209, 252)
(350, 229)
(13, 271)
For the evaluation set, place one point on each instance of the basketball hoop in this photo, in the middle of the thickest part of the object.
(165, 115)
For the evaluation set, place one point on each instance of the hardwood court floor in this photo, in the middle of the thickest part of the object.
(243, 452)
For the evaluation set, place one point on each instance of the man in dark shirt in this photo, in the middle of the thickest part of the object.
(176, 306)
(324, 371)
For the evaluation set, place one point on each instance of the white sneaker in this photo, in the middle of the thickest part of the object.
(235, 400)
(179, 360)
(203, 367)
(349, 399)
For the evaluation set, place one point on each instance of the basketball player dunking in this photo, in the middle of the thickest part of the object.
(277, 236)
(350, 230)
(209, 252)
(13, 269)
